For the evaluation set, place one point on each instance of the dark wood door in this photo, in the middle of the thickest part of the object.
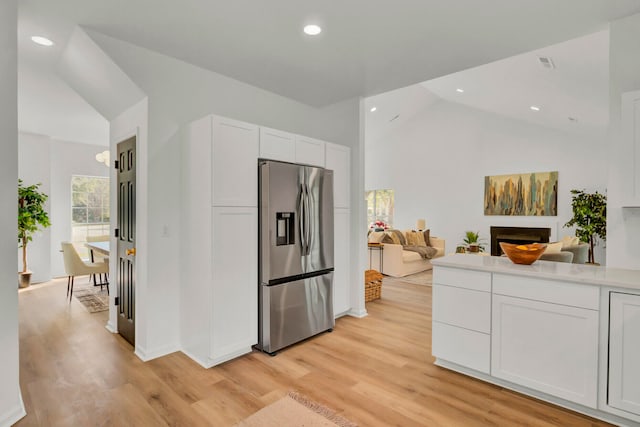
(126, 251)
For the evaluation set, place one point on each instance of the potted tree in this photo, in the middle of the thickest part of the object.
(31, 218)
(589, 217)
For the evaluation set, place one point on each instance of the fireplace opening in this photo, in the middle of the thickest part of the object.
(518, 235)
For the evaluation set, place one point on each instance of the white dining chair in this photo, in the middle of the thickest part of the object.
(75, 266)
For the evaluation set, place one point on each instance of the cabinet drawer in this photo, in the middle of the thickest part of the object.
(468, 279)
(571, 294)
(461, 346)
(462, 307)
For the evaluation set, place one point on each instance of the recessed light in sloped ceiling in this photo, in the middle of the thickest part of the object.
(42, 41)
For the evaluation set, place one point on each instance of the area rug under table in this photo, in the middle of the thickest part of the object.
(92, 298)
(295, 410)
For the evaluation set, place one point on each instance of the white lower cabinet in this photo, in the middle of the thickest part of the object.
(462, 318)
(342, 261)
(234, 317)
(547, 347)
(624, 353)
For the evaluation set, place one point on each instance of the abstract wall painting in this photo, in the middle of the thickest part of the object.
(527, 194)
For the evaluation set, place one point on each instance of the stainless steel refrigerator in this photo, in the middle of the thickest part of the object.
(295, 253)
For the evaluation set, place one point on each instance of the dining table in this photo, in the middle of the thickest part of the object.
(103, 249)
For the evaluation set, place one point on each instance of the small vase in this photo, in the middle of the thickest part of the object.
(474, 248)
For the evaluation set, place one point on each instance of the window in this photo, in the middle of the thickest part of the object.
(89, 207)
(380, 206)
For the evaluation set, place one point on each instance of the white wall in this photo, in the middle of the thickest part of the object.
(179, 93)
(437, 163)
(53, 163)
(68, 159)
(34, 166)
(623, 225)
(11, 406)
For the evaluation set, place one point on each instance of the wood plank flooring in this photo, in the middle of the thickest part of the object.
(376, 371)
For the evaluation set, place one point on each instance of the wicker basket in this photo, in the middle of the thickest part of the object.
(372, 285)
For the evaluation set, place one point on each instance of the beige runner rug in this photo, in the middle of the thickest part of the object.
(295, 410)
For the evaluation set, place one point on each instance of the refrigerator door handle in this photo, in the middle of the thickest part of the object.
(301, 220)
(308, 212)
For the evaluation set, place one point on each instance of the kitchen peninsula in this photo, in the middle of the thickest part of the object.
(565, 333)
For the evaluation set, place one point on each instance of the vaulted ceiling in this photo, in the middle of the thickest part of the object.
(366, 46)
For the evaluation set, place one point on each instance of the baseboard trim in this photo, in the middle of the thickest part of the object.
(110, 327)
(205, 364)
(358, 313)
(146, 355)
(13, 416)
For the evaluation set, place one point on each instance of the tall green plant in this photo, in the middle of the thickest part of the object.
(589, 217)
(31, 216)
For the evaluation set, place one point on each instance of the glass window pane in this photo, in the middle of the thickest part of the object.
(79, 215)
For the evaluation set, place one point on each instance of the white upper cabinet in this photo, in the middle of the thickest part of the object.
(235, 150)
(338, 159)
(631, 144)
(277, 145)
(309, 151)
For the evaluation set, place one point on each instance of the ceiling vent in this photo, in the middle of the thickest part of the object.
(546, 62)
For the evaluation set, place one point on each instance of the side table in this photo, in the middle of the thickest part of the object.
(372, 248)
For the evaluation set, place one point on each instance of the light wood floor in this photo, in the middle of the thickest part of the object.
(376, 371)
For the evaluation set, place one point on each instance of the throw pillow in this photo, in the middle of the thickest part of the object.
(390, 238)
(411, 238)
(420, 239)
(553, 248)
(399, 236)
(569, 241)
(427, 240)
(376, 236)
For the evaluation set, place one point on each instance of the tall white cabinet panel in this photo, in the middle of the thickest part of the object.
(338, 159)
(548, 347)
(234, 159)
(342, 261)
(309, 151)
(624, 352)
(277, 145)
(631, 135)
(235, 277)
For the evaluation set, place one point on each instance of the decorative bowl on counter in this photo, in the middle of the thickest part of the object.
(523, 254)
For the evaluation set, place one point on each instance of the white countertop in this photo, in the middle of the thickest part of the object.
(579, 273)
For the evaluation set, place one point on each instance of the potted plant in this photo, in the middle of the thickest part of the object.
(589, 217)
(473, 241)
(31, 218)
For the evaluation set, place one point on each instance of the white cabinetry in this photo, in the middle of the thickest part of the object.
(342, 263)
(631, 144)
(309, 151)
(219, 294)
(235, 275)
(234, 161)
(462, 317)
(546, 345)
(338, 159)
(277, 145)
(624, 353)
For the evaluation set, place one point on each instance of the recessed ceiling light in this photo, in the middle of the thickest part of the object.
(373, 109)
(460, 90)
(312, 29)
(535, 108)
(43, 41)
